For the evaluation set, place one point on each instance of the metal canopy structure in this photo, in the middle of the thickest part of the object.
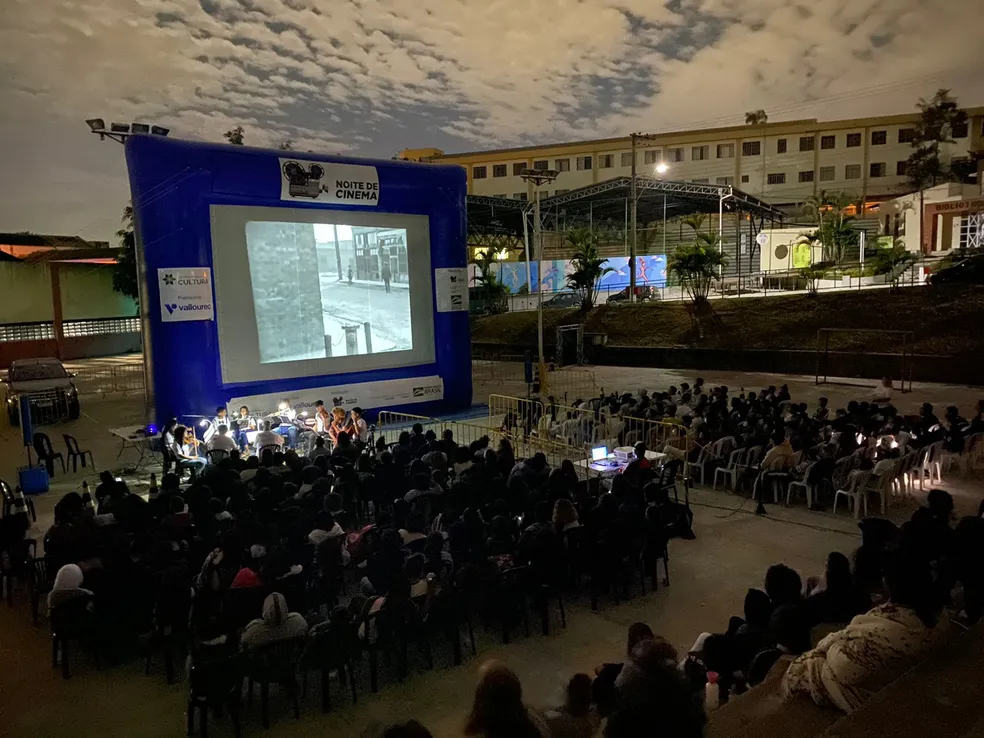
(606, 201)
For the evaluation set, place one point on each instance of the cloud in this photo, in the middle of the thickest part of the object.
(374, 76)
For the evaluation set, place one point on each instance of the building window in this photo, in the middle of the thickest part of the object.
(781, 146)
(777, 178)
(650, 156)
(907, 135)
(876, 169)
(960, 130)
(725, 181)
(900, 167)
(807, 143)
(744, 179)
(518, 168)
(853, 140)
(479, 172)
(827, 173)
(751, 148)
(700, 181)
(561, 192)
(583, 163)
(504, 196)
(806, 176)
(520, 196)
(606, 161)
(627, 159)
(562, 165)
(852, 171)
(541, 165)
(499, 170)
(726, 151)
(879, 138)
(828, 142)
(675, 154)
(700, 153)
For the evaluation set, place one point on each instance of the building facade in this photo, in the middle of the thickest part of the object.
(784, 163)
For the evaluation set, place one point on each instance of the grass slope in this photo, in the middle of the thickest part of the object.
(946, 321)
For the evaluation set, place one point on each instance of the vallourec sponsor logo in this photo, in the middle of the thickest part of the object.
(171, 307)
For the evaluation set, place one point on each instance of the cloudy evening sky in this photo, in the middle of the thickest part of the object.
(370, 77)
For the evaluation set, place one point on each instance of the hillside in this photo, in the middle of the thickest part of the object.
(946, 322)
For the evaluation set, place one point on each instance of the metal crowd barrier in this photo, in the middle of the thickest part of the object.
(391, 424)
(104, 380)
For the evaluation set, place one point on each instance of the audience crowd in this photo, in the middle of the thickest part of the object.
(380, 545)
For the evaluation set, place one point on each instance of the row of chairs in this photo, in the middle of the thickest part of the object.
(47, 454)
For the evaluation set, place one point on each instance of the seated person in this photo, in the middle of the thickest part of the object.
(221, 441)
(244, 422)
(358, 428)
(345, 449)
(576, 718)
(277, 624)
(320, 448)
(267, 438)
(185, 450)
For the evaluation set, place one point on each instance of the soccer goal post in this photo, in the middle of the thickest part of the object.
(846, 354)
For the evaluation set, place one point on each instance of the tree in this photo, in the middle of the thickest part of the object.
(494, 292)
(286, 145)
(236, 136)
(587, 265)
(938, 118)
(125, 272)
(760, 118)
(893, 261)
(834, 233)
(813, 274)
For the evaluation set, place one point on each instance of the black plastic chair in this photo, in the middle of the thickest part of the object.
(69, 621)
(41, 580)
(19, 565)
(330, 648)
(274, 663)
(47, 454)
(216, 455)
(214, 683)
(10, 506)
(75, 454)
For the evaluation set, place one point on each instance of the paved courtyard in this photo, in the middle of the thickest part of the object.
(709, 577)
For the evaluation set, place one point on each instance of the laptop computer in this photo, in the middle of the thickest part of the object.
(599, 453)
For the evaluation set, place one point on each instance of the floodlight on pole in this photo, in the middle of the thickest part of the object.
(539, 177)
(119, 132)
(635, 213)
(662, 168)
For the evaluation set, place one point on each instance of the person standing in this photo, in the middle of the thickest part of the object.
(386, 274)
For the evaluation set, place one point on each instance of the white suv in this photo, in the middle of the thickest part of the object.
(49, 387)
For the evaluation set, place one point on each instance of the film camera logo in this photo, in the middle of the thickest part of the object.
(303, 182)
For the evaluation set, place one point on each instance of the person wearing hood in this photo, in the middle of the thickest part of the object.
(67, 586)
(277, 624)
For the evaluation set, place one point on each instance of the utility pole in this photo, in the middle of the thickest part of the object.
(539, 177)
(634, 195)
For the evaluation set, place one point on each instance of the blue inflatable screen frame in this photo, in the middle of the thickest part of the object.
(177, 186)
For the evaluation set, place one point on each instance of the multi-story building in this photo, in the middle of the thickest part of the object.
(784, 163)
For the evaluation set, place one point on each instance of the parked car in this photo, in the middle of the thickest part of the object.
(566, 299)
(965, 271)
(49, 387)
(643, 294)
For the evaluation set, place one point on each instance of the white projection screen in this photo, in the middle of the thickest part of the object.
(303, 292)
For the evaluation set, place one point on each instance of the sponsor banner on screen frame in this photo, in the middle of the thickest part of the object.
(367, 395)
(186, 294)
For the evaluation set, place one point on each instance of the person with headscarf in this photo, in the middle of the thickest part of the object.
(277, 624)
(67, 586)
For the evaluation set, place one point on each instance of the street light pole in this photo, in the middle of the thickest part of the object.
(539, 177)
(634, 195)
(119, 132)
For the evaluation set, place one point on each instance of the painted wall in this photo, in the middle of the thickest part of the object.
(87, 292)
(650, 270)
(26, 291)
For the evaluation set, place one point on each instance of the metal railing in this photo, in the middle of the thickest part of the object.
(103, 380)
(391, 424)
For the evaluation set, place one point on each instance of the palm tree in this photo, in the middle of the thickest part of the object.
(760, 118)
(494, 291)
(587, 266)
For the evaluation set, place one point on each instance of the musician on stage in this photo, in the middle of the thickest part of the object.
(337, 425)
(358, 428)
(244, 422)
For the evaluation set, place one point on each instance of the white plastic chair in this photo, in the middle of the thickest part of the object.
(963, 459)
(708, 452)
(882, 484)
(929, 469)
(855, 492)
(729, 471)
(804, 483)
